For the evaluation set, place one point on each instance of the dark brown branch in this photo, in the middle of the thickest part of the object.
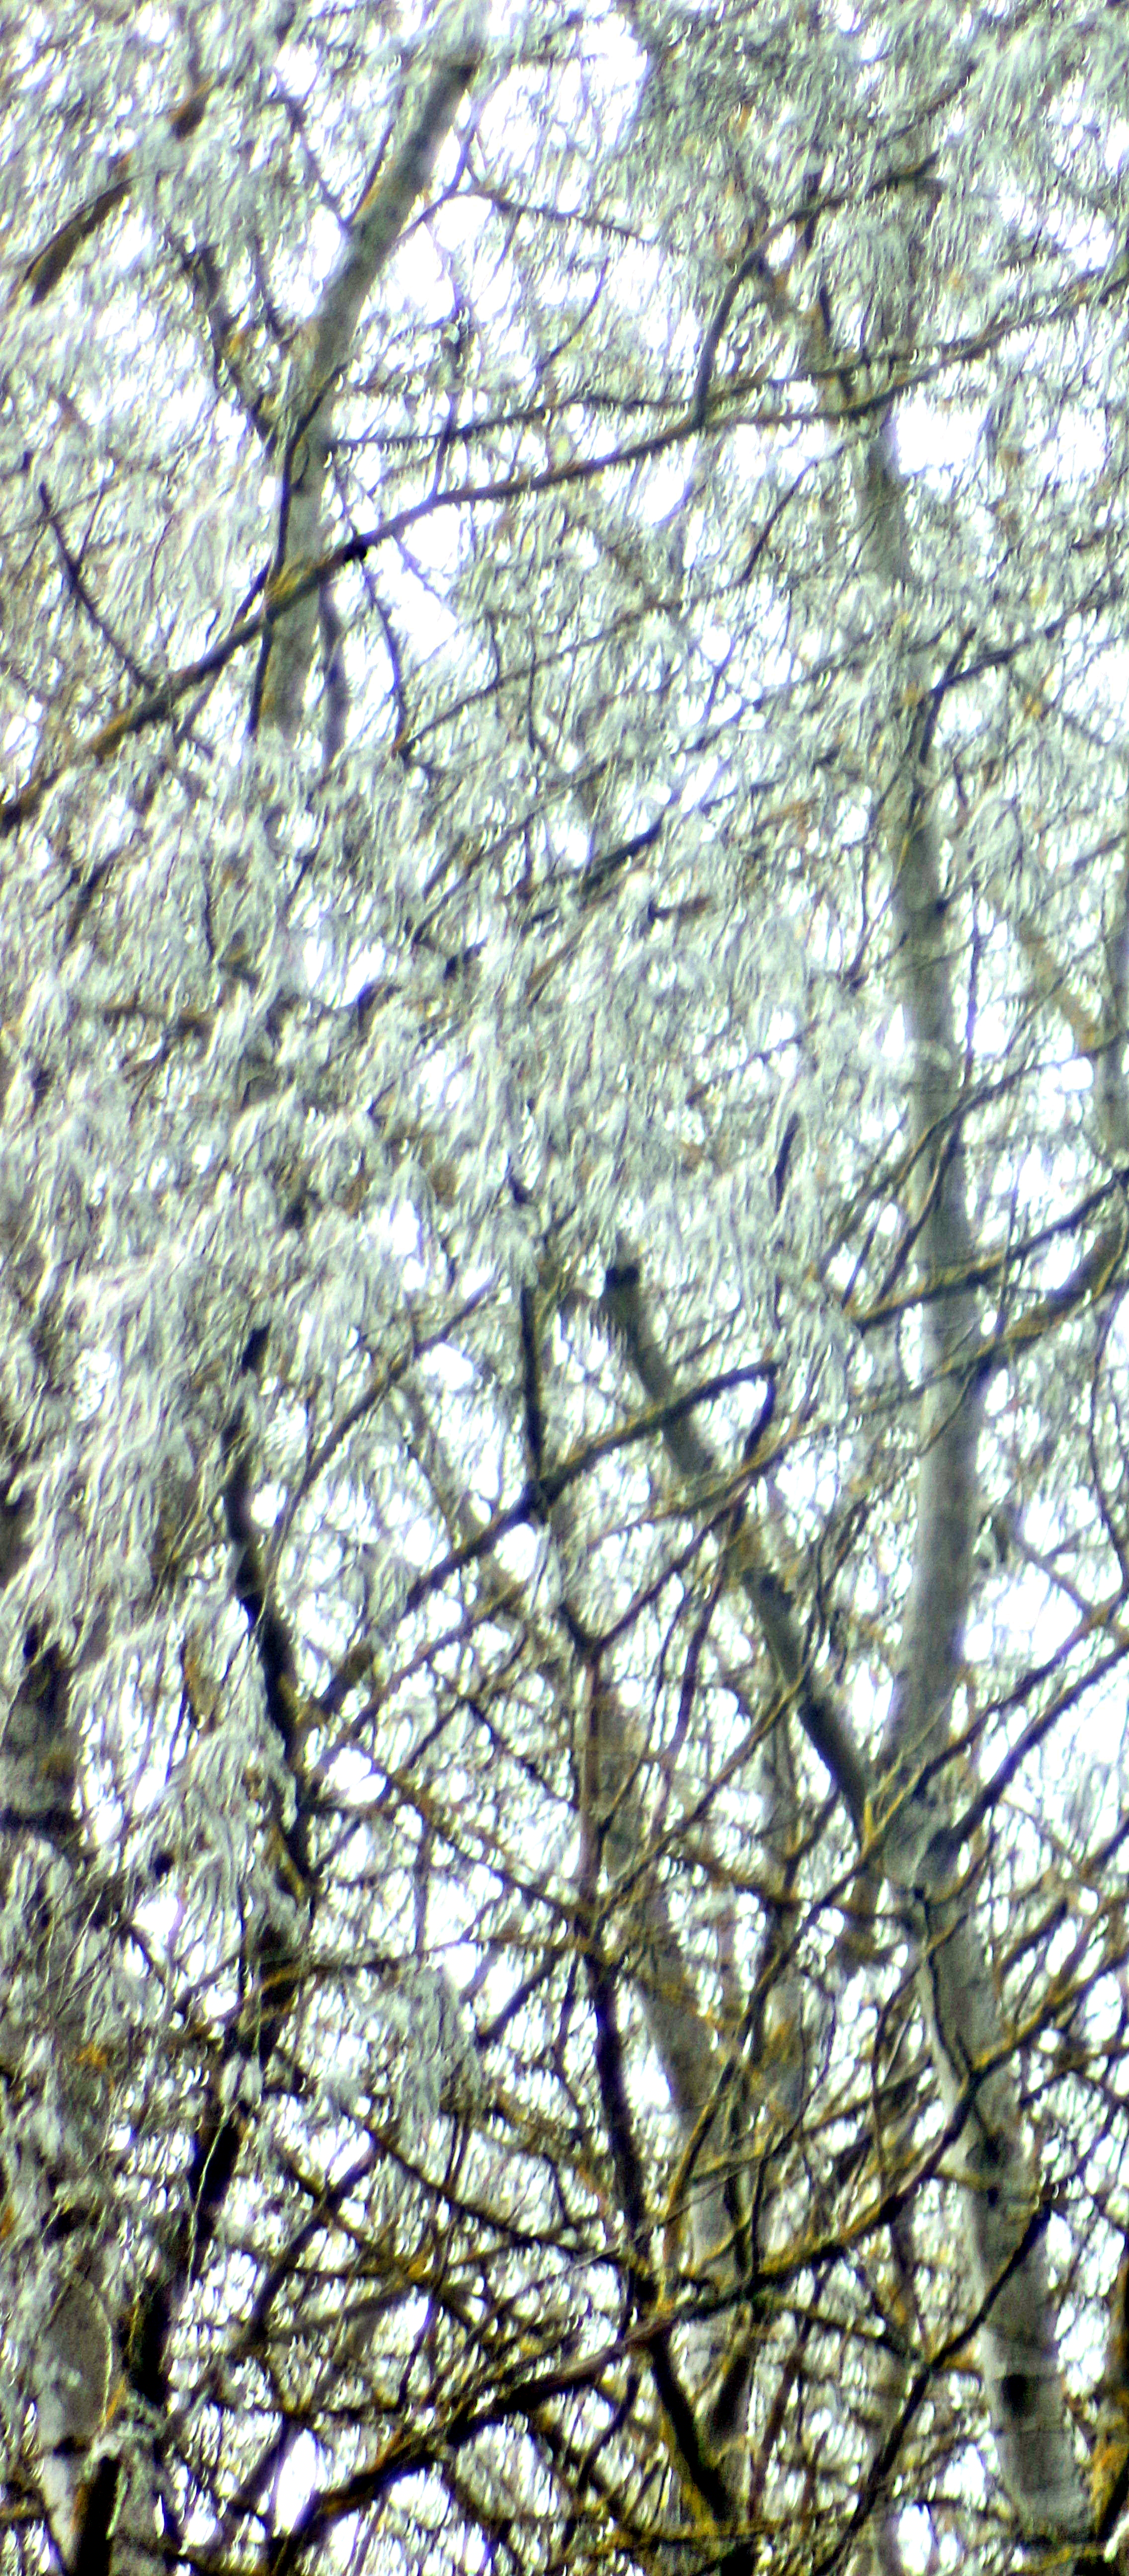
(536, 1498)
(824, 1723)
(48, 264)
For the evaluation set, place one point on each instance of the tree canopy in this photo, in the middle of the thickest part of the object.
(564, 1509)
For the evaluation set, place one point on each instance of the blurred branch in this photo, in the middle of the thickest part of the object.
(51, 261)
(823, 1721)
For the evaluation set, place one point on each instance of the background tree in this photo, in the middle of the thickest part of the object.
(564, 1521)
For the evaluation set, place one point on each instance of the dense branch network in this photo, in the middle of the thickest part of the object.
(564, 1529)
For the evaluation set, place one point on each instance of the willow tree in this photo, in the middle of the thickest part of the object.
(564, 1518)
